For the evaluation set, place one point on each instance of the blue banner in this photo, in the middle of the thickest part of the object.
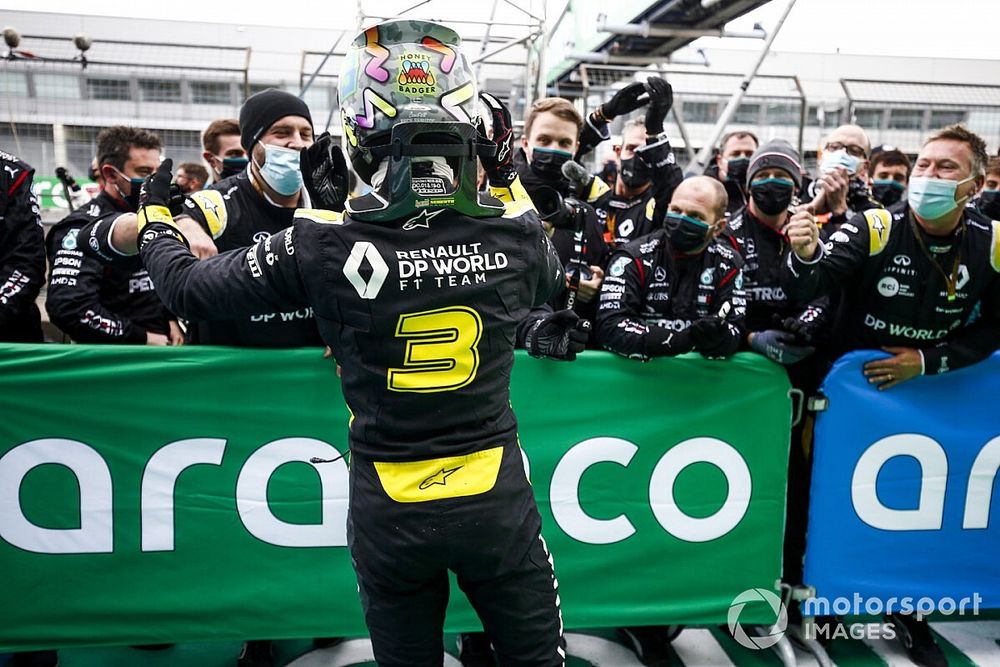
(903, 500)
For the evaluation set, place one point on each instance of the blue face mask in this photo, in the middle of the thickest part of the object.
(832, 160)
(281, 169)
(933, 198)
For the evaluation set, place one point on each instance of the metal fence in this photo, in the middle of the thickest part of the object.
(903, 113)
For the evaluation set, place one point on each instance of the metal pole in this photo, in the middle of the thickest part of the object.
(698, 164)
(485, 43)
(803, 114)
(312, 78)
(525, 11)
(503, 47)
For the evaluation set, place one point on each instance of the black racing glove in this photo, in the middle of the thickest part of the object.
(324, 173)
(559, 335)
(661, 98)
(500, 167)
(778, 346)
(624, 101)
(662, 342)
(806, 325)
(656, 155)
(715, 338)
(154, 218)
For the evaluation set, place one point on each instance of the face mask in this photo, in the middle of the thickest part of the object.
(989, 204)
(736, 169)
(232, 166)
(281, 170)
(687, 234)
(933, 198)
(135, 188)
(834, 159)
(887, 191)
(772, 195)
(634, 172)
(548, 162)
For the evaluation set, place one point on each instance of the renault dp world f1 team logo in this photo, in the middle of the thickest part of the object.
(362, 253)
(757, 596)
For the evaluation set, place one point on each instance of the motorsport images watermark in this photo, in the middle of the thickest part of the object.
(841, 606)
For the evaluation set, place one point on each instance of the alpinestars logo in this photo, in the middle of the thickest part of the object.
(423, 219)
(367, 289)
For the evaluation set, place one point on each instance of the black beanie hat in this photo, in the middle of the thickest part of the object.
(776, 153)
(261, 110)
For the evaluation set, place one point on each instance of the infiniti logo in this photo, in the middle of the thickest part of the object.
(901, 260)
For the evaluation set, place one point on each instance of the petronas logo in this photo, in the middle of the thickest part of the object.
(365, 256)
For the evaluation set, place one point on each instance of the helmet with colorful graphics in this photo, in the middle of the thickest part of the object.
(407, 91)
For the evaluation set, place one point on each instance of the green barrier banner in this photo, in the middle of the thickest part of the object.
(52, 195)
(164, 494)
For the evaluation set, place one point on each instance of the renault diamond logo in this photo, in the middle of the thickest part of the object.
(361, 251)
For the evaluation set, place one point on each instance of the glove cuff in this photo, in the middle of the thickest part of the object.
(154, 213)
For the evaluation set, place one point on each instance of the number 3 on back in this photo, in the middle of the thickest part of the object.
(441, 352)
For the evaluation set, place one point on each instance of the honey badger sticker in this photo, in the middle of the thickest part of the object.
(416, 78)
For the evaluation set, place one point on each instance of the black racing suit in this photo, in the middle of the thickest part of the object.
(423, 321)
(648, 286)
(588, 247)
(626, 219)
(94, 302)
(764, 250)
(895, 294)
(22, 253)
(235, 215)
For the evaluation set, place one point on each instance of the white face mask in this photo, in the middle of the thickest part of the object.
(440, 168)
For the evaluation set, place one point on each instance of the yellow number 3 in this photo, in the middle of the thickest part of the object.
(441, 352)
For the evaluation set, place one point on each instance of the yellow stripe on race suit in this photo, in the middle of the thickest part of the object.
(650, 207)
(515, 198)
(995, 246)
(597, 188)
(213, 207)
(879, 225)
(436, 479)
(320, 215)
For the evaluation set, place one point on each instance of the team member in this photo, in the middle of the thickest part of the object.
(735, 150)
(191, 177)
(92, 303)
(222, 149)
(841, 187)
(889, 171)
(680, 288)
(647, 172)
(550, 139)
(778, 327)
(243, 208)
(988, 200)
(437, 481)
(22, 253)
(921, 281)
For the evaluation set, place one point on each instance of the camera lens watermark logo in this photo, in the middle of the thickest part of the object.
(757, 596)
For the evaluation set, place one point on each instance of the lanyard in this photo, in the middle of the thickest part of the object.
(953, 279)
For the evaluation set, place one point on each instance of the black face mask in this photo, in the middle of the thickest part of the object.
(887, 192)
(547, 162)
(686, 233)
(634, 172)
(772, 195)
(736, 170)
(989, 204)
(232, 166)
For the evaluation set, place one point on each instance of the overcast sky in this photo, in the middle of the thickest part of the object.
(935, 28)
